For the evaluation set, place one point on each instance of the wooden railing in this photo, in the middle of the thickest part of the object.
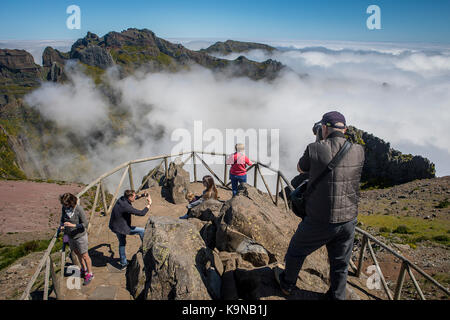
(98, 183)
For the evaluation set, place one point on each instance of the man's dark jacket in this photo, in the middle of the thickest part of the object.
(120, 221)
(335, 198)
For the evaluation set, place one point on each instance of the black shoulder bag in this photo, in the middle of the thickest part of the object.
(300, 195)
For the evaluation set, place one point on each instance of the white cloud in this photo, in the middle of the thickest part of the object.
(411, 110)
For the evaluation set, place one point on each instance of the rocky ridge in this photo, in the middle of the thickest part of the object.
(231, 46)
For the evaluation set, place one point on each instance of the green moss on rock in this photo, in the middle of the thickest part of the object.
(8, 166)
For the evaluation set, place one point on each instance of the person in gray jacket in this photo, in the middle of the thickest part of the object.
(74, 224)
(331, 209)
(120, 222)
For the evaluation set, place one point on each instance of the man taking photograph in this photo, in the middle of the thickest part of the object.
(120, 222)
(331, 209)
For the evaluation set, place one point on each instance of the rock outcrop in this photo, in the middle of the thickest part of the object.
(225, 250)
(176, 263)
(18, 73)
(231, 46)
(177, 183)
(133, 48)
(17, 60)
(385, 166)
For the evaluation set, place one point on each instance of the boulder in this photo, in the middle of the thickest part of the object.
(177, 182)
(135, 275)
(209, 210)
(260, 284)
(17, 60)
(250, 218)
(208, 233)
(175, 260)
(93, 55)
(51, 56)
(157, 178)
(231, 46)
(385, 166)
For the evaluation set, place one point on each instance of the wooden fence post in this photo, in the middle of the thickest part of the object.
(105, 205)
(278, 189)
(265, 184)
(411, 275)
(361, 256)
(400, 281)
(225, 170)
(93, 207)
(55, 281)
(284, 195)
(166, 168)
(377, 266)
(47, 278)
(113, 200)
(195, 166)
(130, 176)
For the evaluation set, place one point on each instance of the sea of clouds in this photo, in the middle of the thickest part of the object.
(398, 92)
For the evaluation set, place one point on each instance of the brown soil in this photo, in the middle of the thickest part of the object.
(30, 210)
(419, 199)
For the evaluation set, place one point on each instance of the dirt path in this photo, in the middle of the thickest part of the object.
(109, 283)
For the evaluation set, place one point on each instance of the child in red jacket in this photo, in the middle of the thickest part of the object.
(239, 163)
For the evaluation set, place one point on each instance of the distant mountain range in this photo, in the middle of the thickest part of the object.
(22, 129)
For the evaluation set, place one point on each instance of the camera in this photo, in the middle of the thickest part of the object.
(142, 195)
(317, 130)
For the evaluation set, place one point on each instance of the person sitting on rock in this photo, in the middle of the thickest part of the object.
(191, 197)
(238, 170)
(209, 193)
(120, 222)
(74, 225)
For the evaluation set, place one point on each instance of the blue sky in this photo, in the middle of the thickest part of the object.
(401, 20)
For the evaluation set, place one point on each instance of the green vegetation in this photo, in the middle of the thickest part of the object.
(87, 200)
(61, 183)
(410, 230)
(8, 166)
(95, 73)
(443, 204)
(137, 55)
(402, 230)
(376, 183)
(14, 89)
(9, 254)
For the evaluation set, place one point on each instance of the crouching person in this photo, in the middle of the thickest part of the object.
(74, 224)
(120, 221)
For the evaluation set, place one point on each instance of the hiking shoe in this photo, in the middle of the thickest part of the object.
(284, 286)
(123, 266)
(185, 216)
(83, 273)
(88, 278)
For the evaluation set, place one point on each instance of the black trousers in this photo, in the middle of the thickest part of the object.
(310, 236)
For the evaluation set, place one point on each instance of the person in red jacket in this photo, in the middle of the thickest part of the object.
(239, 163)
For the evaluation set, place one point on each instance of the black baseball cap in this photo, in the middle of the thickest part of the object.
(330, 119)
